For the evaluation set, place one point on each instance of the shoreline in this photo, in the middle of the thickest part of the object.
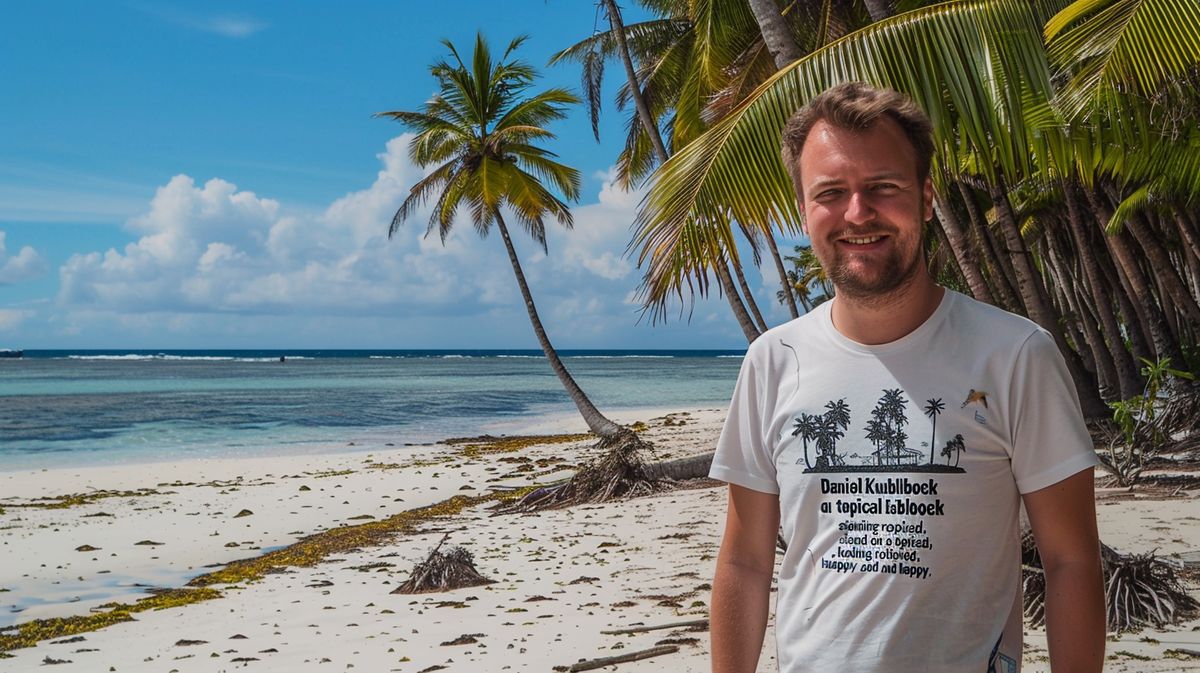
(562, 577)
(355, 442)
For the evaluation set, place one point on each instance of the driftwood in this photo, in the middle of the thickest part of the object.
(623, 658)
(643, 629)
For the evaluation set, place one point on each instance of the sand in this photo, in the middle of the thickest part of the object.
(562, 578)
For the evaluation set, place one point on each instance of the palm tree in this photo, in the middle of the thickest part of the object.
(876, 434)
(979, 67)
(932, 409)
(833, 424)
(954, 446)
(479, 132)
(806, 428)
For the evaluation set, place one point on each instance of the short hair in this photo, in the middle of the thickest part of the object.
(856, 106)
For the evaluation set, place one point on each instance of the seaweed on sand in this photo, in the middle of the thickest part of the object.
(1139, 589)
(619, 472)
(442, 571)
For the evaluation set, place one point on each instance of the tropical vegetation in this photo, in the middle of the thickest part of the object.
(1067, 162)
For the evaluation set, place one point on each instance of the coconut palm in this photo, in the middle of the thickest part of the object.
(932, 408)
(479, 133)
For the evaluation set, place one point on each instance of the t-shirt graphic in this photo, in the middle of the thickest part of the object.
(886, 431)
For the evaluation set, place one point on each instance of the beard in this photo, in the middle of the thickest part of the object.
(877, 284)
(883, 280)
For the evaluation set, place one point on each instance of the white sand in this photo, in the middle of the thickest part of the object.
(562, 577)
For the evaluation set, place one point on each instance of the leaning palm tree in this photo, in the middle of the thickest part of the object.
(479, 132)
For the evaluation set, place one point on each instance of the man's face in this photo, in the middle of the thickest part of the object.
(864, 207)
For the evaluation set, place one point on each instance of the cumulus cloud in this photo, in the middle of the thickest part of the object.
(601, 232)
(217, 248)
(26, 264)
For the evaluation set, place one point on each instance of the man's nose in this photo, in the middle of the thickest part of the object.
(859, 209)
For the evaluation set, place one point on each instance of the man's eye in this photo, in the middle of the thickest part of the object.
(886, 186)
(827, 194)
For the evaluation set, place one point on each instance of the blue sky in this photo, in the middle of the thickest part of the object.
(208, 175)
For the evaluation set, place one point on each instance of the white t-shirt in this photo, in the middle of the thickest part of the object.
(899, 469)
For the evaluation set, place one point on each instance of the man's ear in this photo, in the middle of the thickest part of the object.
(928, 200)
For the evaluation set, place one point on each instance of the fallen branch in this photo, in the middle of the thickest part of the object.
(643, 629)
(623, 658)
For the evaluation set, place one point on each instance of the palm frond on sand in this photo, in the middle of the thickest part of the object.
(443, 571)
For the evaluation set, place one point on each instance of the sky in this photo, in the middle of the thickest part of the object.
(209, 175)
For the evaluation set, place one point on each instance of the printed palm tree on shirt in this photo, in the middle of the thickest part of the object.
(875, 435)
(932, 409)
(955, 446)
(890, 411)
(806, 428)
(832, 425)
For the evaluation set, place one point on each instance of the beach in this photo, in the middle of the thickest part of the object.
(561, 578)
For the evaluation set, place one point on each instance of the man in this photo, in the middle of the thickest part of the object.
(894, 432)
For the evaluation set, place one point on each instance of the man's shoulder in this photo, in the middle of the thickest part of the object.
(990, 321)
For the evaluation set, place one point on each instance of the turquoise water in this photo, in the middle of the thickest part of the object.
(62, 408)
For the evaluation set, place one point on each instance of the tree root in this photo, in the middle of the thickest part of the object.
(1139, 590)
(619, 472)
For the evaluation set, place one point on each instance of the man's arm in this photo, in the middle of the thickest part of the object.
(1063, 517)
(742, 586)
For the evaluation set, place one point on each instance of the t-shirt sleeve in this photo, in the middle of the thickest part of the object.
(1049, 439)
(743, 457)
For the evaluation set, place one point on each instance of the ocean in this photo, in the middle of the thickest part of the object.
(76, 408)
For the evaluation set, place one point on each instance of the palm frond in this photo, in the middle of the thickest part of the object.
(945, 57)
(1106, 48)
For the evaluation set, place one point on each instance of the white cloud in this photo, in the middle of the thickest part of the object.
(215, 248)
(601, 232)
(10, 318)
(24, 265)
(225, 25)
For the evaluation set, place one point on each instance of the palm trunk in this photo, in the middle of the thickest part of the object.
(1128, 379)
(1144, 296)
(1135, 318)
(750, 302)
(789, 295)
(775, 32)
(1000, 275)
(595, 420)
(1039, 309)
(735, 301)
(1164, 269)
(1083, 327)
(1191, 249)
(635, 88)
(963, 253)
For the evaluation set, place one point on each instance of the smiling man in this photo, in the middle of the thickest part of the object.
(891, 435)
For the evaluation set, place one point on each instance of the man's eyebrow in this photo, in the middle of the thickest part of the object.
(824, 182)
(819, 183)
(886, 175)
